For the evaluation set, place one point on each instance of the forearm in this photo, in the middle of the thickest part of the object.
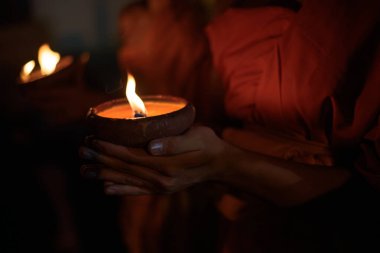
(283, 182)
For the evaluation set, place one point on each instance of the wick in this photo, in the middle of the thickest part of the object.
(140, 115)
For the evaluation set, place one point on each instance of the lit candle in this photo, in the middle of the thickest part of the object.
(134, 100)
(139, 120)
(137, 108)
(155, 108)
(49, 61)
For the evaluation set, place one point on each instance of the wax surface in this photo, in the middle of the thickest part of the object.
(124, 111)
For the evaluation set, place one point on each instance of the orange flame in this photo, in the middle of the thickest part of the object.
(47, 59)
(134, 100)
(26, 70)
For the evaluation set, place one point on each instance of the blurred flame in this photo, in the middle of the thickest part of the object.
(134, 100)
(26, 70)
(47, 59)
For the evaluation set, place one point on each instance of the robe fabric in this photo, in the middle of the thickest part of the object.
(311, 79)
(306, 85)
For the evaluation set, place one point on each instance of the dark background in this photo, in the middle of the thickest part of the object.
(46, 205)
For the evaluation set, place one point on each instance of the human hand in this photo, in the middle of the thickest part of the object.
(171, 164)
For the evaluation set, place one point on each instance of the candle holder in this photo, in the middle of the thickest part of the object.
(69, 71)
(54, 97)
(171, 116)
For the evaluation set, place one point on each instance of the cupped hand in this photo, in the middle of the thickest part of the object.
(169, 164)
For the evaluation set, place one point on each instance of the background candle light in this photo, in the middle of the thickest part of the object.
(47, 59)
(26, 70)
(49, 62)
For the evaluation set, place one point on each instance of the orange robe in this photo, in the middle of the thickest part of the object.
(306, 85)
(312, 77)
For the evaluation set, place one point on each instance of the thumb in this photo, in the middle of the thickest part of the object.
(192, 140)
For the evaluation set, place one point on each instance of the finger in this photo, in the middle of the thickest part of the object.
(116, 189)
(131, 155)
(117, 177)
(87, 153)
(88, 140)
(197, 139)
(163, 164)
(96, 171)
(108, 183)
(161, 181)
(90, 171)
(161, 185)
(192, 140)
(124, 167)
(103, 158)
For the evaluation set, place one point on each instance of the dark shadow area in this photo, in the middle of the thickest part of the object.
(46, 205)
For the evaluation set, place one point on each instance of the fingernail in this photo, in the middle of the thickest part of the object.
(114, 190)
(89, 172)
(87, 153)
(97, 145)
(111, 190)
(108, 183)
(88, 140)
(156, 148)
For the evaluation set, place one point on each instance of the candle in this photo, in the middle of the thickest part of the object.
(50, 62)
(155, 108)
(137, 108)
(135, 121)
(114, 120)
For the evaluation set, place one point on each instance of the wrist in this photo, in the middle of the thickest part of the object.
(223, 167)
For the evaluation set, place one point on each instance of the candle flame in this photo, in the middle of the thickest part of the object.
(26, 70)
(134, 100)
(47, 59)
